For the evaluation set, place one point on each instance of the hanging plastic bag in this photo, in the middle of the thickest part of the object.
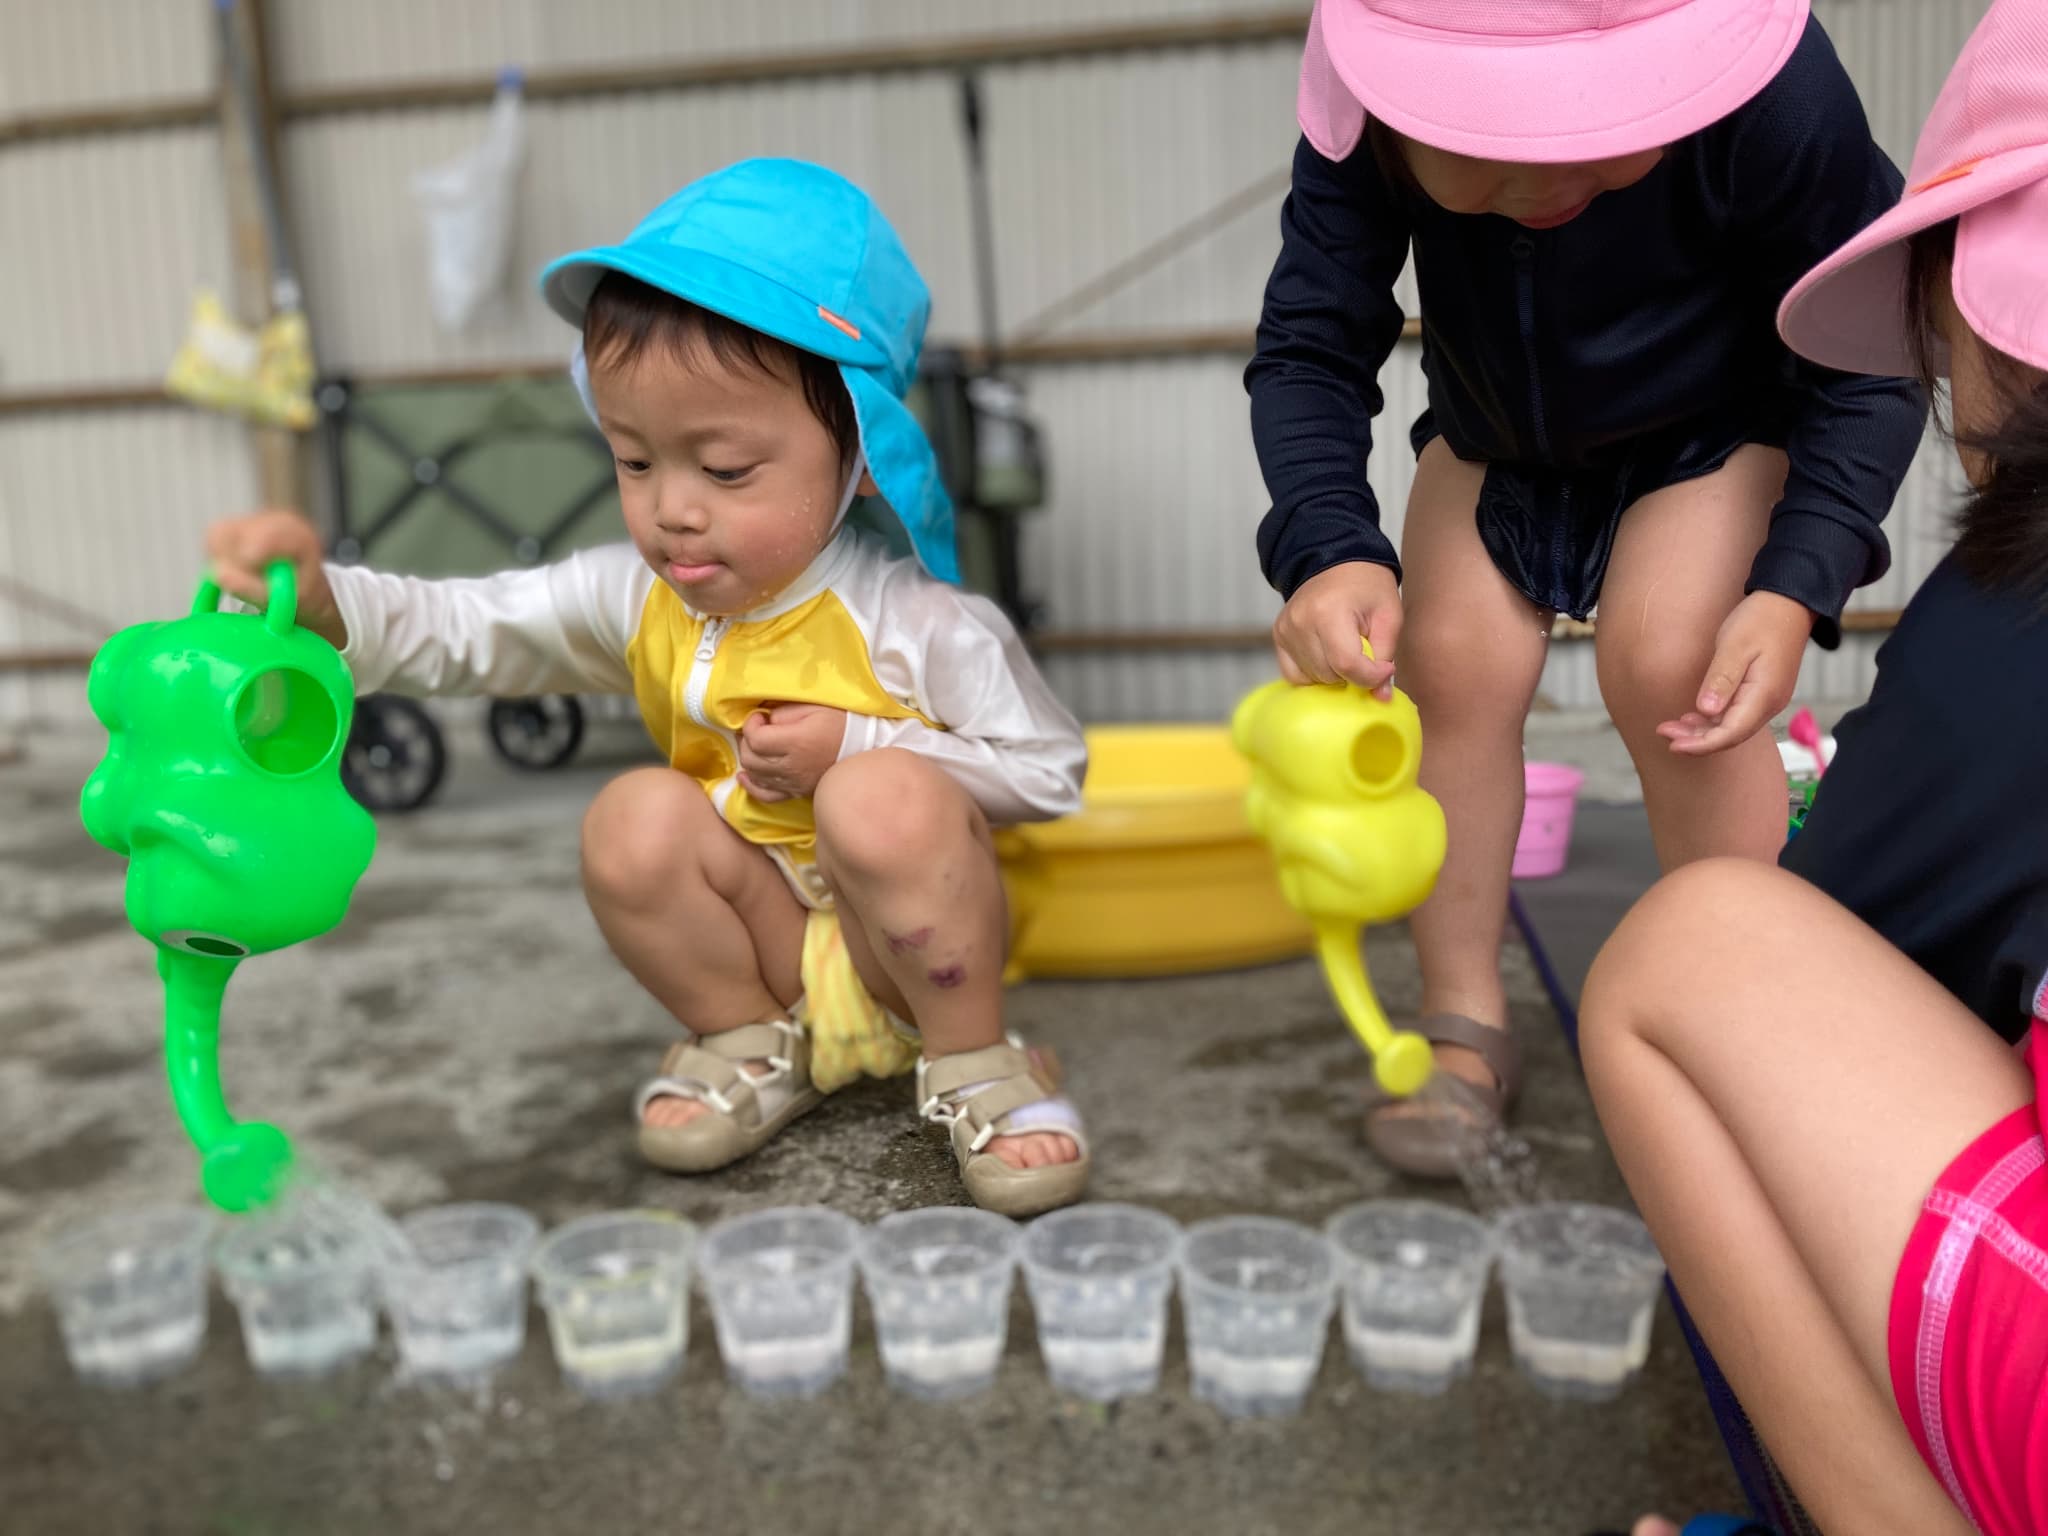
(468, 207)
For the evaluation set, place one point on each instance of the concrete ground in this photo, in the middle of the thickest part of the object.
(466, 1036)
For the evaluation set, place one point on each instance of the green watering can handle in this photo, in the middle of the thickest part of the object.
(283, 610)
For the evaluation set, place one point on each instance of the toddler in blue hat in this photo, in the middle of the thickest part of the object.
(809, 886)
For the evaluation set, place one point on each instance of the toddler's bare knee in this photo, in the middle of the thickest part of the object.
(637, 828)
(882, 810)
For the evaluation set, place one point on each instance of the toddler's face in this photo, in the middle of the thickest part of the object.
(1536, 196)
(728, 480)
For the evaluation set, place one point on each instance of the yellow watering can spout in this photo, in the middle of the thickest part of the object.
(1355, 838)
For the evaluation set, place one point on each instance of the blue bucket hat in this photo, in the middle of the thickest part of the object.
(799, 253)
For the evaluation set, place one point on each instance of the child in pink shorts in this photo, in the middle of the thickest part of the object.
(1843, 1166)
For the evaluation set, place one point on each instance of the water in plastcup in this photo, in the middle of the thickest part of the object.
(1257, 1297)
(1581, 1286)
(305, 1285)
(1412, 1277)
(460, 1310)
(783, 1318)
(621, 1335)
(130, 1292)
(931, 1261)
(1101, 1300)
(615, 1287)
(939, 1284)
(795, 1349)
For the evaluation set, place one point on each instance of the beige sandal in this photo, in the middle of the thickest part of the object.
(747, 1112)
(1004, 1090)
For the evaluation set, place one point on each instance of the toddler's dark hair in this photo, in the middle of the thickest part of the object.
(626, 316)
(2002, 530)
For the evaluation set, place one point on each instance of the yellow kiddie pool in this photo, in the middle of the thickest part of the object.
(1159, 872)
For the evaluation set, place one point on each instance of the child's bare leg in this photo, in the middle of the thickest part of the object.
(1471, 657)
(911, 861)
(700, 918)
(1681, 557)
(1782, 1088)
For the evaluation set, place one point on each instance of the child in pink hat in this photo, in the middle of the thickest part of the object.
(1845, 1170)
(1605, 201)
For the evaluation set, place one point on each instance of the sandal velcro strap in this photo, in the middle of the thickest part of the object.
(783, 1045)
(708, 1069)
(981, 1117)
(1498, 1048)
(947, 1075)
(942, 1078)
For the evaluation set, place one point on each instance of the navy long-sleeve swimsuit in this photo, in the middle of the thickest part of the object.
(1587, 365)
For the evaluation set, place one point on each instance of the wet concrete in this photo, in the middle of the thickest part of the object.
(466, 1035)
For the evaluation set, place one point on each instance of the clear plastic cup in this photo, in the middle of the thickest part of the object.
(1100, 1276)
(1412, 1275)
(616, 1288)
(939, 1285)
(130, 1292)
(1581, 1283)
(306, 1291)
(781, 1289)
(458, 1299)
(1257, 1293)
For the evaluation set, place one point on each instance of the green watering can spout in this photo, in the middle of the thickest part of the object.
(222, 787)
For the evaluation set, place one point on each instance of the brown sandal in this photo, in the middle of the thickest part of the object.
(1435, 1137)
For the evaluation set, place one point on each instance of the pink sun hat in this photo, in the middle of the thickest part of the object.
(1983, 159)
(1538, 81)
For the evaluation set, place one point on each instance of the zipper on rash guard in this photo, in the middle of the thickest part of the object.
(694, 690)
(1524, 250)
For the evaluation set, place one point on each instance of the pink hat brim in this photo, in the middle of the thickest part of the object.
(1593, 95)
(1849, 312)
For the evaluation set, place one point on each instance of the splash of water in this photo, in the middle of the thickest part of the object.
(1499, 1169)
(316, 1200)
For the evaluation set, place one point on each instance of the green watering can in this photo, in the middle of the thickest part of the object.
(222, 786)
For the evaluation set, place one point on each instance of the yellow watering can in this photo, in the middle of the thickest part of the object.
(1356, 840)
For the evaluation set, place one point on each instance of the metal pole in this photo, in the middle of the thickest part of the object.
(264, 280)
(984, 223)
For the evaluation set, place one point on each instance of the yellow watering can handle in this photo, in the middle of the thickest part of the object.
(1401, 1059)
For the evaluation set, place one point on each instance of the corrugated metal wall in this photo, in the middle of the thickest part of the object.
(1092, 160)
(102, 241)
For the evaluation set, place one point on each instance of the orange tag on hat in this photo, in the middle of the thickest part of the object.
(833, 320)
(1953, 173)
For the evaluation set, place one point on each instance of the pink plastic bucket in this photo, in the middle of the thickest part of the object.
(1552, 798)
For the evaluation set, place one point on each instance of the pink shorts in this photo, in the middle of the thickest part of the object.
(1969, 1322)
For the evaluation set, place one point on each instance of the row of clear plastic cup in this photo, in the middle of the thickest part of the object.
(130, 1288)
(1257, 1296)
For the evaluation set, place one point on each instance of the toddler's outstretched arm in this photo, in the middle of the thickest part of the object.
(560, 628)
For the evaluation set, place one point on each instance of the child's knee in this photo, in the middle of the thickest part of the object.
(636, 829)
(1649, 678)
(1459, 674)
(1661, 942)
(885, 809)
